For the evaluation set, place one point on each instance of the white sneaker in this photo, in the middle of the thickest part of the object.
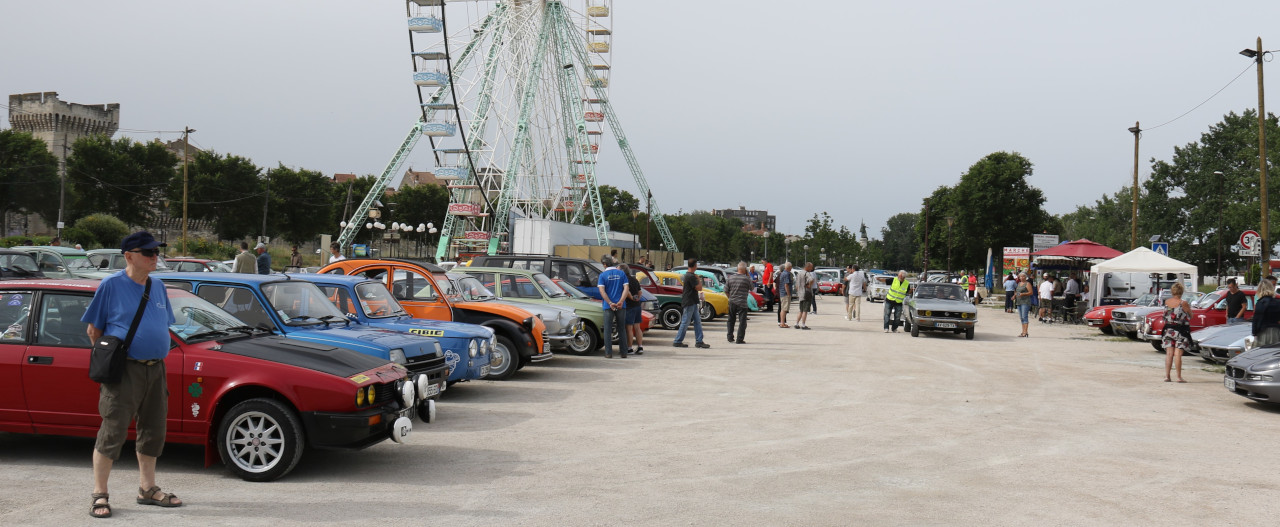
(886, 331)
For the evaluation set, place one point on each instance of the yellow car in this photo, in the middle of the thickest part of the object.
(713, 305)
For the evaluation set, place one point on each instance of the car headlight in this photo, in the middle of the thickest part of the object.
(1250, 342)
(439, 350)
(1273, 364)
(397, 356)
(472, 349)
(359, 396)
(493, 343)
(423, 383)
(408, 394)
(528, 323)
(927, 313)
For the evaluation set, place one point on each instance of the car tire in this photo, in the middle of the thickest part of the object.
(1156, 344)
(265, 420)
(1133, 335)
(585, 342)
(968, 334)
(1106, 330)
(670, 316)
(706, 312)
(505, 361)
(915, 329)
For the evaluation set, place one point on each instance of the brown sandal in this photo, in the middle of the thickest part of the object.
(93, 509)
(166, 501)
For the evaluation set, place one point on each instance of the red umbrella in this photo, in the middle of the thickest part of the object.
(1081, 248)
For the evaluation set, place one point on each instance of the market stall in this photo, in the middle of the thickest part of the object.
(1138, 263)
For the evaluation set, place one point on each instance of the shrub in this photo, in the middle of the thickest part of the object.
(103, 229)
(73, 235)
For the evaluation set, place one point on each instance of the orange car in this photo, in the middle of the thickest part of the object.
(520, 335)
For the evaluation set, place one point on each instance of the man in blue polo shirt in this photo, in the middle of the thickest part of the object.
(613, 298)
(141, 392)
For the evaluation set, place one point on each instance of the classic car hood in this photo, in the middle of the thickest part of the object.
(1244, 360)
(450, 329)
(1133, 313)
(312, 356)
(1223, 335)
(934, 304)
(366, 335)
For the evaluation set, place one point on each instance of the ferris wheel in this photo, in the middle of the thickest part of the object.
(514, 102)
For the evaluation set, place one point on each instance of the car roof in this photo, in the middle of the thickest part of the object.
(332, 278)
(15, 252)
(190, 259)
(244, 278)
(465, 269)
(66, 251)
(430, 267)
(78, 284)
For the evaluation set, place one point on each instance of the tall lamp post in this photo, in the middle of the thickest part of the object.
(186, 131)
(1265, 232)
(806, 254)
(951, 221)
(1133, 237)
(1221, 206)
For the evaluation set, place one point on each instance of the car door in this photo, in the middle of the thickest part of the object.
(14, 317)
(56, 371)
(417, 292)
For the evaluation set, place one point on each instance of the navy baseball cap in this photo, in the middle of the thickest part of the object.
(140, 240)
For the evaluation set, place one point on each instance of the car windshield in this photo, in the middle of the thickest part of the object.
(570, 290)
(1147, 299)
(218, 267)
(939, 291)
(196, 319)
(300, 303)
(377, 302)
(549, 287)
(1207, 301)
(471, 289)
(23, 263)
(78, 263)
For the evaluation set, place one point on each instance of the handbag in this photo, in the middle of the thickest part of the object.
(106, 361)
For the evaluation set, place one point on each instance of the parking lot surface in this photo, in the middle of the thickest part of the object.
(839, 425)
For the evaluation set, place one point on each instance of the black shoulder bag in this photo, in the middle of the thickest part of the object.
(106, 362)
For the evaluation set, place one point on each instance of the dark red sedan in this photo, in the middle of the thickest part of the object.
(253, 399)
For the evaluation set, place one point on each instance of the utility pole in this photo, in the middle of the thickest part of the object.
(266, 199)
(926, 236)
(1265, 231)
(186, 131)
(648, 219)
(1137, 133)
(62, 183)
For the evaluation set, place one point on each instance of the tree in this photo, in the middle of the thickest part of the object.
(28, 176)
(120, 177)
(227, 190)
(105, 230)
(899, 241)
(1106, 222)
(421, 204)
(298, 197)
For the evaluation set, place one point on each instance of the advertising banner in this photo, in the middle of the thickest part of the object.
(1016, 258)
(1043, 241)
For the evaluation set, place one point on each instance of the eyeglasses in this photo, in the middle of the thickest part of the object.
(149, 253)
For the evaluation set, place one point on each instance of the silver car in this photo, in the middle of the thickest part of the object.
(1126, 320)
(562, 322)
(1220, 343)
(1254, 374)
(935, 306)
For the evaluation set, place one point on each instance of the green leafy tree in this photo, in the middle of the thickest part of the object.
(899, 244)
(1107, 221)
(298, 197)
(419, 205)
(104, 229)
(121, 177)
(347, 197)
(224, 189)
(28, 176)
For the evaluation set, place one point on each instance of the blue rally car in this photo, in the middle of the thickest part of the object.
(297, 309)
(467, 347)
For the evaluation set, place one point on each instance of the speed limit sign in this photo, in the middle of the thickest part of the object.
(1249, 239)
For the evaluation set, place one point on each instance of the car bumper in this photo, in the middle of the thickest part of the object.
(1236, 381)
(353, 430)
(944, 324)
(1095, 322)
(1218, 354)
(1124, 327)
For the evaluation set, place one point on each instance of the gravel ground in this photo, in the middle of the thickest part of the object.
(840, 425)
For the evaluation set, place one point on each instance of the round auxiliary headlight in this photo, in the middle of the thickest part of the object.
(423, 383)
(472, 349)
(370, 394)
(407, 394)
(359, 396)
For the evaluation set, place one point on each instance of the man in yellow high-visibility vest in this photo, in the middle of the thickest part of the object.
(893, 302)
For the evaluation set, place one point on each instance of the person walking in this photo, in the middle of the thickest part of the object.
(613, 297)
(264, 258)
(857, 288)
(770, 296)
(804, 294)
(295, 259)
(1177, 330)
(633, 311)
(893, 302)
(335, 253)
(1266, 315)
(786, 288)
(244, 262)
(1022, 299)
(738, 287)
(973, 286)
(1010, 283)
(690, 299)
(141, 394)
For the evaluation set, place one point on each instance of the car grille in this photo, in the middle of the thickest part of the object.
(1235, 373)
(1118, 316)
(433, 366)
(383, 394)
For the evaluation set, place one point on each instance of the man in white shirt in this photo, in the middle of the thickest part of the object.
(1046, 297)
(857, 286)
(335, 253)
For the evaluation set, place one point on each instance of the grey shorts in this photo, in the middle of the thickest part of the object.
(141, 394)
(805, 304)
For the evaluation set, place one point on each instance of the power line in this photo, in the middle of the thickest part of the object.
(1215, 94)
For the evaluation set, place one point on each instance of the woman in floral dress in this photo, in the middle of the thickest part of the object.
(1177, 330)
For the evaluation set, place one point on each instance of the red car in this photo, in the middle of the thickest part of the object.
(1100, 316)
(227, 382)
(1208, 311)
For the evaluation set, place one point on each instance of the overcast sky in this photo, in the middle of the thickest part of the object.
(859, 109)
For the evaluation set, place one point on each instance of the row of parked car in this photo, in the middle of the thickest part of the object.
(345, 357)
(1251, 371)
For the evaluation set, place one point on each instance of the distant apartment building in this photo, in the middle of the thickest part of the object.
(757, 221)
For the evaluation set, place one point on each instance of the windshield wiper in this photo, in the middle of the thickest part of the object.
(327, 318)
(203, 334)
(245, 329)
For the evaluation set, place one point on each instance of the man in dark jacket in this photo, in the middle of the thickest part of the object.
(737, 287)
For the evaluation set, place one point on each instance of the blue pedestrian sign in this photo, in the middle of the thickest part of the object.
(1160, 247)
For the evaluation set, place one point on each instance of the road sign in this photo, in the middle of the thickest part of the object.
(1160, 247)
(1249, 239)
(1250, 252)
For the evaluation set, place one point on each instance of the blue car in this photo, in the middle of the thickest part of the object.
(297, 309)
(467, 347)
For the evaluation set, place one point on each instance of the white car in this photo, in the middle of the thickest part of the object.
(880, 287)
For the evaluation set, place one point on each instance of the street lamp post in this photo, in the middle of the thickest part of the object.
(1221, 206)
(951, 220)
(806, 254)
(1133, 237)
(1265, 231)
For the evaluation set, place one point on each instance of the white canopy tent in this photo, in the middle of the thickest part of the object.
(1140, 261)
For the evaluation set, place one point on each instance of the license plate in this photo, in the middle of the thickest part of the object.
(433, 390)
(1229, 383)
(484, 370)
(946, 325)
(546, 346)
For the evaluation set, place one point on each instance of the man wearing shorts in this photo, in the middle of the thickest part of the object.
(633, 317)
(141, 391)
(786, 286)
